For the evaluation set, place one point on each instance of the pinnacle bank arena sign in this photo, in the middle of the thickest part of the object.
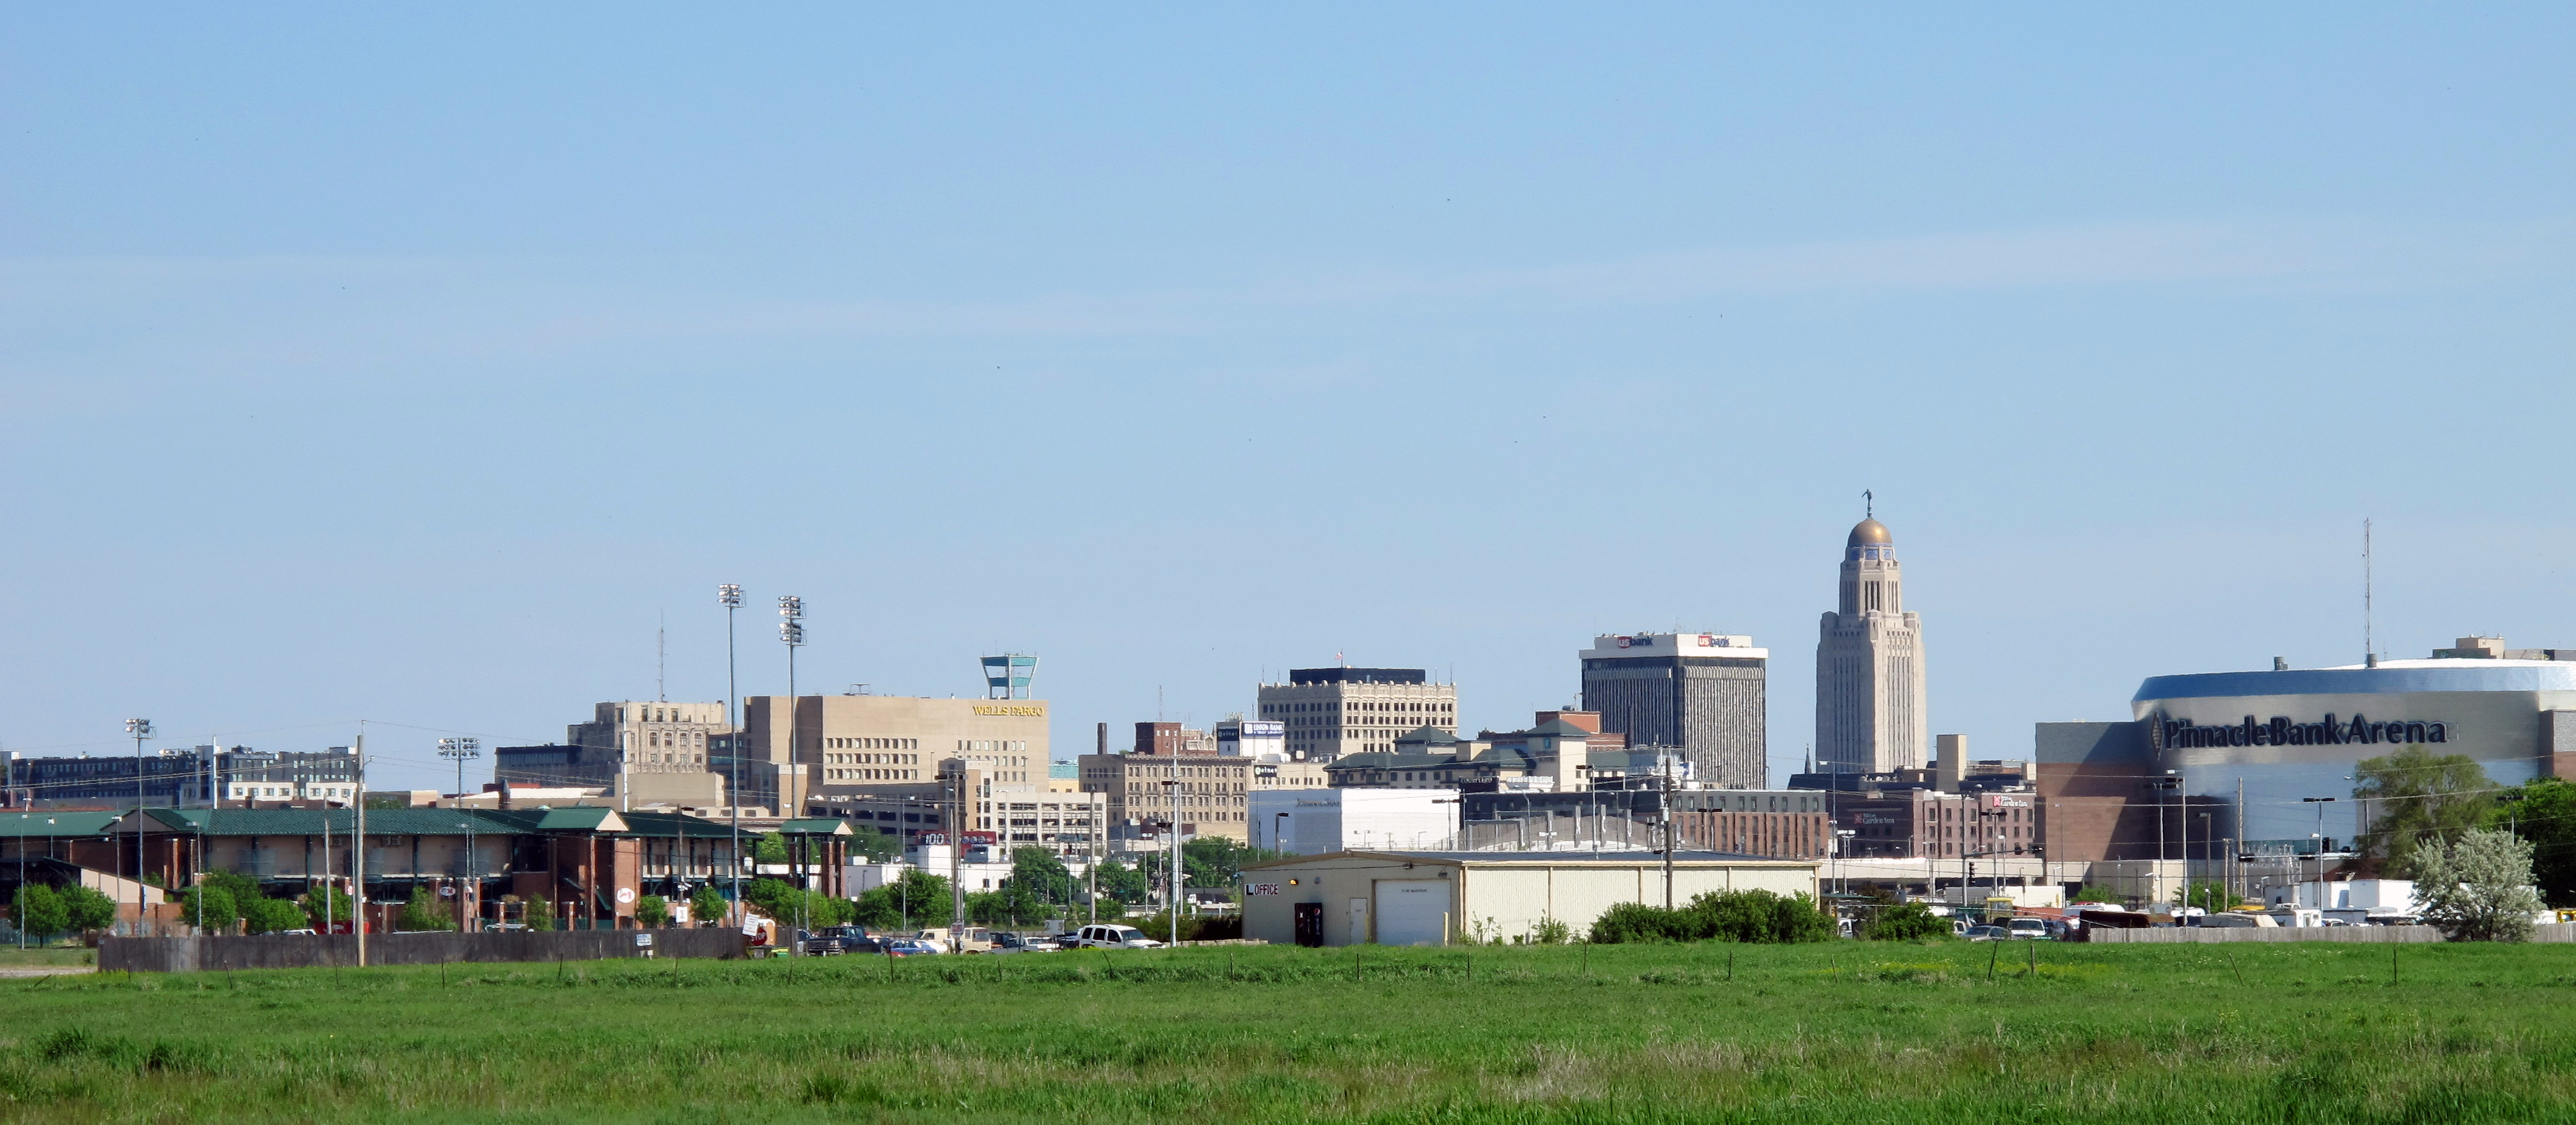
(2179, 734)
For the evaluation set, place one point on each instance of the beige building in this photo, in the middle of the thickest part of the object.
(1871, 702)
(1438, 898)
(847, 745)
(1213, 790)
(1330, 712)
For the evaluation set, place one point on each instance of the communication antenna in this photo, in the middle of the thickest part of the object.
(2369, 646)
(662, 658)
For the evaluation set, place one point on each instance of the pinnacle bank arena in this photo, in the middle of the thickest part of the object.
(2287, 736)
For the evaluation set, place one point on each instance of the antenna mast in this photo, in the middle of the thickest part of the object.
(662, 658)
(2369, 645)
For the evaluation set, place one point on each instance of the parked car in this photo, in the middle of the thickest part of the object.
(1986, 933)
(1106, 936)
(2035, 929)
(1015, 943)
(910, 947)
(813, 944)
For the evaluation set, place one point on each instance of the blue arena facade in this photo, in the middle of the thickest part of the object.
(2286, 735)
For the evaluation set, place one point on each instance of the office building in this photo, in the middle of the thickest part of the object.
(1320, 821)
(1703, 694)
(1871, 706)
(835, 746)
(1239, 737)
(247, 776)
(1329, 712)
(170, 777)
(637, 751)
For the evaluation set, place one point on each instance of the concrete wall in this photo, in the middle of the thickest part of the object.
(281, 951)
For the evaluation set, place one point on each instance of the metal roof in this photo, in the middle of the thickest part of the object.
(64, 823)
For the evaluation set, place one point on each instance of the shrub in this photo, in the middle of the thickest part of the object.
(652, 912)
(1746, 916)
(539, 914)
(1906, 922)
(2091, 893)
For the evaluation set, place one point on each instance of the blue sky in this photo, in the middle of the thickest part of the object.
(412, 366)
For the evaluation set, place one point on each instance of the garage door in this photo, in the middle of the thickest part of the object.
(1412, 911)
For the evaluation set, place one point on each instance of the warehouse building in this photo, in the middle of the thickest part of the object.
(1441, 898)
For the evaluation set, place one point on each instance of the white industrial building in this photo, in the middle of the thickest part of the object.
(1318, 821)
(1439, 897)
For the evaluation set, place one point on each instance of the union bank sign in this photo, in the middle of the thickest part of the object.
(2280, 730)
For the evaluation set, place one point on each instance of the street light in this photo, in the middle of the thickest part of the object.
(1278, 833)
(730, 596)
(1172, 877)
(141, 729)
(2320, 837)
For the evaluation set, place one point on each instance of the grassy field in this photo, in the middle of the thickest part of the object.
(1827, 1033)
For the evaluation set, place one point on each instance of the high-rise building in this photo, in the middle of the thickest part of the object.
(1704, 694)
(835, 746)
(1330, 712)
(1870, 700)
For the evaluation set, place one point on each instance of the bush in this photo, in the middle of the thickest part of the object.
(1745, 916)
(1906, 922)
(652, 912)
(539, 914)
(2091, 893)
(2478, 888)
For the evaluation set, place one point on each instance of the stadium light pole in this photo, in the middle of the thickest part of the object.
(791, 632)
(729, 596)
(459, 750)
(2320, 803)
(141, 729)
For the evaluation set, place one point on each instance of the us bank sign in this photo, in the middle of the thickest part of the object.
(2179, 734)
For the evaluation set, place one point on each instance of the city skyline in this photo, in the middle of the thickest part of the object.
(372, 363)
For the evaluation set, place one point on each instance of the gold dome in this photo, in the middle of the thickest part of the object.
(1869, 533)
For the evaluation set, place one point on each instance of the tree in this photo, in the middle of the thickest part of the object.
(896, 905)
(1119, 882)
(769, 848)
(209, 908)
(424, 913)
(2478, 888)
(652, 912)
(40, 912)
(316, 901)
(539, 913)
(2417, 798)
(2209, 895)
(87, 909)
(2091, 893)
(2545, 816)
(707, 906)
(269, 915)
(878, 846)
(1906, 921)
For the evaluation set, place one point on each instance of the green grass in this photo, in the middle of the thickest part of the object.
(12, 957)
(1824, 1033)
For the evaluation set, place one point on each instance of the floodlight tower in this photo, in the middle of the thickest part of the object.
(470, 903)
(141, 729)
(730, 596)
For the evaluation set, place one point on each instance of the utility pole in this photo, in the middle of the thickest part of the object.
(458, 750)
(141, 729)
(956, 872)
(1666, 814)
(730, 596)
(358, 851)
